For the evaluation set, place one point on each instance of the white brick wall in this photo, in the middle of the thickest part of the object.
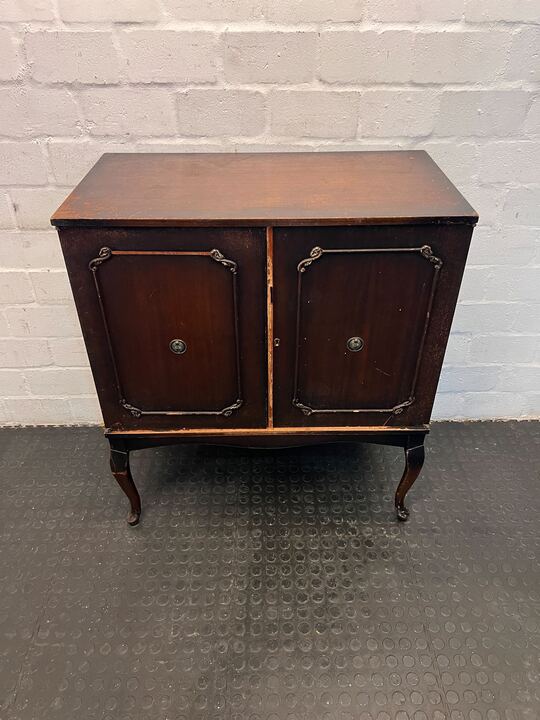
(459, 78)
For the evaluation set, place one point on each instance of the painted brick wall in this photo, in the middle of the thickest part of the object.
(459, 78)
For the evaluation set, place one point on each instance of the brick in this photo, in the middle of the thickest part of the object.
(84, 57)
(7, 214)
(218, 10)
(34, 207)
(531, 407)
(267, 146)
(25, 10)
(471, 317)
(60, 381)
(497, 317)
(24, 352)
(532, 122)
(496, 283)
(43, 321)
(4, 327)
(522, 206)
(314, 11)
(448, 406)
(15, 288)
(70, 160)
(468, 378)
(506, 10)
(10, 58)
(366, 56)
(31, 112)
(30, 250)
(524, 58)
(51, 287)
(68, 352)
(474, 284)
(221, 112)
(457, 160)
(166, 56)
(391, 113)
(85, 410)
(519, 379)
(269, 57)
(486, 200)
(107, 11)
(129, 111)
(180, 145)
(22, 163)
(493, 405)
(6, 418)
(39, 411)
(481, 112)
(509, 161)
(314, 113)
(526, 320)
(509, 245)
(505, 348)
(458, 349)
(475, 56)
(12, 383)
(414, 10)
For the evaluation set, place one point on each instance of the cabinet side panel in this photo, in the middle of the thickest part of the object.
(214, 301)
(451, 243)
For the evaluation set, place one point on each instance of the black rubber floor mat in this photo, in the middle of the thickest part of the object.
(271, 585)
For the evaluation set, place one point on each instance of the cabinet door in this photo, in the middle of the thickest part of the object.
(174, 324)
(362, 316)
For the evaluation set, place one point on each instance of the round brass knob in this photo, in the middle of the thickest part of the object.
(355, 344)
(178, 347)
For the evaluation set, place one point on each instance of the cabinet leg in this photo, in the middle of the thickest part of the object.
(414, 459)
(122, 473)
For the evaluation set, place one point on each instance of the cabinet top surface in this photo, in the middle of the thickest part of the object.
(168, 189)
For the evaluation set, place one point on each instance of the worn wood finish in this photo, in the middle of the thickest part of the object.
(327, 324)
(411, 440)
(380, 287)
(184, 327)
(264, 189)
(119, 461)
(414, 460)
(172, 289)
(270, 324)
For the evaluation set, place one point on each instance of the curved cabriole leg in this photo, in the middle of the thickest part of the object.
(414, 459)
(122, 473)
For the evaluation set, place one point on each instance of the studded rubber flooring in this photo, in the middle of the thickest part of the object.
(271, 585)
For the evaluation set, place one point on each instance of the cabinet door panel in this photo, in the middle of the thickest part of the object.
(174, 324)
(354, 313)
(180, 321)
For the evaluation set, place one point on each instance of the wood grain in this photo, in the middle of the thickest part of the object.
(382, 297)
(230, 253)
(270, 322)
(347, 188)
(170, 288)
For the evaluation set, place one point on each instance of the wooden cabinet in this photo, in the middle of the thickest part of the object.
(265, 299)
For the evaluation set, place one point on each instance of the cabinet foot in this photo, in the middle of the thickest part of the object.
(414, 459)
(122, 474)
(402, 513)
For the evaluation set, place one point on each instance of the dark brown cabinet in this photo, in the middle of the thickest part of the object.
(265, 299)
